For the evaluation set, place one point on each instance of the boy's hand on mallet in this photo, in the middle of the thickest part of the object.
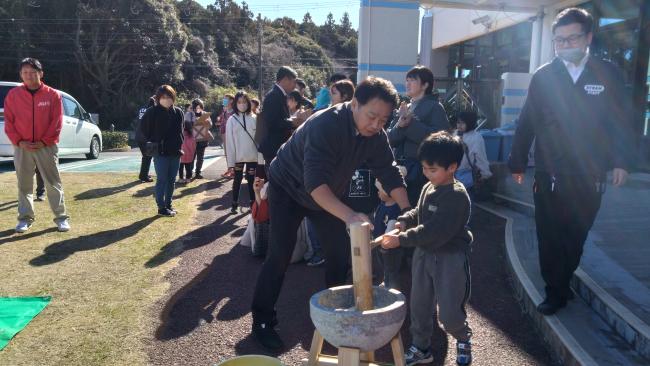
(389, 241)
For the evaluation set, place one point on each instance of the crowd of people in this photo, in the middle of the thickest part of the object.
(356, 152)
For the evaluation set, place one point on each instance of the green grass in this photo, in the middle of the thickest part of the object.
(96, 274)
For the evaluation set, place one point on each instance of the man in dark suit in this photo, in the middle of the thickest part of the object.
(277, 124)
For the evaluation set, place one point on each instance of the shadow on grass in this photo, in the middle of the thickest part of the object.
(8, 207)
(204, 235)
(9, 237)
(180, 191)
(60, 251)
(105, 191)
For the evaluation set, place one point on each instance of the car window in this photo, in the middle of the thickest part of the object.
(3, 93)
(70, 108)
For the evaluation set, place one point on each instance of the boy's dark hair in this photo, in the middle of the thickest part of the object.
(441, 148)
(295, 95)
(346, 88)
(34, 63)
(242, 94)
(301, 83)
(186, 105)
(197, 102)
(374, 87)
(336, 77)
(575, 15)
(469, 118)
(286, 71)
(424, 74)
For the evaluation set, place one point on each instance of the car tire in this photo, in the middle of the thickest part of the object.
(94, 149)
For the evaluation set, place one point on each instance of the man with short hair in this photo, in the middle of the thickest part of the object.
(33, 122)
(277, 124)
(578, 112)
(309, 177)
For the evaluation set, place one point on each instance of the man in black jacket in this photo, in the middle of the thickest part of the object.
(579, 114)
(276, 124)
(309, 177)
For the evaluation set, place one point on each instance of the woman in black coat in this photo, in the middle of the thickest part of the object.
(162, 129)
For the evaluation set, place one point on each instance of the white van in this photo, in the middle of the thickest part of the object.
(79, 134)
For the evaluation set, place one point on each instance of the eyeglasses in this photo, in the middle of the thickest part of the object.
(570, 40)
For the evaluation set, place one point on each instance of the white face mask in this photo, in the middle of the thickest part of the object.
(165, 102)
(573, 55)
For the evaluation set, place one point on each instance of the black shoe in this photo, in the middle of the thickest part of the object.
(146, 179)
(198, 176)
(267, 337)
(171, 209)
(166, 212)
(233, 209)
(550, 306)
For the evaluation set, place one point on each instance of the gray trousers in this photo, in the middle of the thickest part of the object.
(443, 280)
(47, 162)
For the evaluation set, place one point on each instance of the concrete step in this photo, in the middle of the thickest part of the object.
(577, 335)
(619, 298)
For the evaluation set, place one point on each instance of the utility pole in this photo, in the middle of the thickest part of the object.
(259, 53)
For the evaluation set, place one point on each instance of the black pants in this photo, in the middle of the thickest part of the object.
(188, 170)
(564, 213)
(249, 169)
(286, 215)
(145, 165)
(40, 184)
(200, 152)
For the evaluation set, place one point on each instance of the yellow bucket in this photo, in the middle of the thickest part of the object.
(251, 360)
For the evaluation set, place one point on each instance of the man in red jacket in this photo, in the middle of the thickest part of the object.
(33, 121)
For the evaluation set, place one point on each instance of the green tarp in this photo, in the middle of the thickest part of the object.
(16, 313)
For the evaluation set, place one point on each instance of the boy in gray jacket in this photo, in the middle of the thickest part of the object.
(437, 228)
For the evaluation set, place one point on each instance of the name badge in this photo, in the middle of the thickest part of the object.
(594, 89)
(433, 208)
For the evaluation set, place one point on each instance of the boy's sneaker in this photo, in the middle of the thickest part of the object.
(63, 225)
(415, 356)
(315, 261)
(40, 197)
(23, 226)
(198, 176)
(463, 353)
(233, 209)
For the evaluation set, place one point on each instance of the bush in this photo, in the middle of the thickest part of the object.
(115, 140)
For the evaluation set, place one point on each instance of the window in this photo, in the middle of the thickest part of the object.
(3, 93)
(71, 108)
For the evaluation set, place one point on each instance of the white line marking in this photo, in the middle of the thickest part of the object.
(85, 164)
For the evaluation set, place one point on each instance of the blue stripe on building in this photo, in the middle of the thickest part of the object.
(390, 4)
(510, 110)
(515, 92)
(384, 67)
(401, 88)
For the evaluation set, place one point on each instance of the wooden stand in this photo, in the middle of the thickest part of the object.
(362, 281)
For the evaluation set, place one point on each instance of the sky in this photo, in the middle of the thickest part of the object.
(296, 9)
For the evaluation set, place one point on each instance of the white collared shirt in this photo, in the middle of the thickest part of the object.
(576, 70)
(283, 92)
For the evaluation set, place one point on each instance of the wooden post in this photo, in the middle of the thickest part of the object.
(315, 349)
(348, 356)
(397, 347)
(361, 265)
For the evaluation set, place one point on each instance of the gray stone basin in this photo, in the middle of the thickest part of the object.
(334, 315)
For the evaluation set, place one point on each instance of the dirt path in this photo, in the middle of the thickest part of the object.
(206, 316)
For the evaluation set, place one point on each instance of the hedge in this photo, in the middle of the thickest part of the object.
(115, 140)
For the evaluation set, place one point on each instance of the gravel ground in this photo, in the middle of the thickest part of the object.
(206, 316)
